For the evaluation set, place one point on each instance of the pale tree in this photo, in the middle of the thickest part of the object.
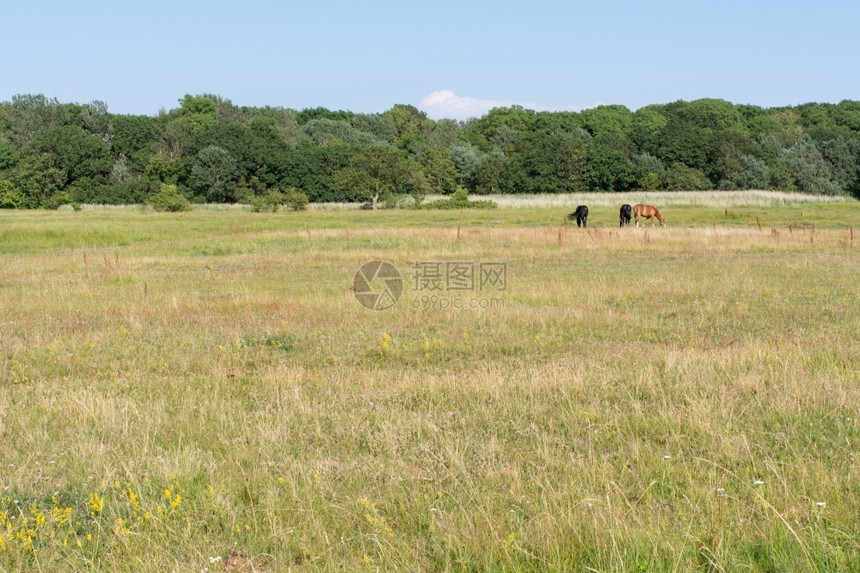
(32, 114)
(96, 121)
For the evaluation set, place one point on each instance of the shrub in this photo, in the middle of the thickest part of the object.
(10, 196)
(296, 200)
(267, 202)
(271, 201)
(59, 199)
(169, 199)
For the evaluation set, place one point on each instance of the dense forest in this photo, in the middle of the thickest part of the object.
(209, 150)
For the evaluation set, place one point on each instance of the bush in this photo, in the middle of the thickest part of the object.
(296, 200)
(10, 196)
(169, 199)
(59, 199)
(131, 191)
(269, 202)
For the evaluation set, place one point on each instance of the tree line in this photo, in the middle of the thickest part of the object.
(209, 150)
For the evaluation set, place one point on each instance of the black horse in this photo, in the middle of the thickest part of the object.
(625, 215)
(581, 216)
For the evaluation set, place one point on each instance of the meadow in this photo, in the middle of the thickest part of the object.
(203, 391)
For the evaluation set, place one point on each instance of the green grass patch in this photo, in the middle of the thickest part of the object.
(203, 390)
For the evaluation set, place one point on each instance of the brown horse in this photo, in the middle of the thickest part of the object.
(646, 212)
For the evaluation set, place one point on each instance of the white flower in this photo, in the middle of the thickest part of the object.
(821, 504)
(758, 482)
(214, 559)
(667, 457)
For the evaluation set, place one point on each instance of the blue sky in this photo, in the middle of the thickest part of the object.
(449, 58)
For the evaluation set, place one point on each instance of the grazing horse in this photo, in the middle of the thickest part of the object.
(625, 215)
(581, 216)
(646, 212)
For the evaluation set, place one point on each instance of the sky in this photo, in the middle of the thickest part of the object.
(451, 59)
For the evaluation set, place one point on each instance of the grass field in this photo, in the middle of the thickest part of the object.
(204, 391)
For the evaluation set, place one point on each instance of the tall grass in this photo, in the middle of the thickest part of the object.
(203, 391)
(716, 199)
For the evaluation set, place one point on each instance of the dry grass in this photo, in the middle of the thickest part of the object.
(203, 391)
(719, 199)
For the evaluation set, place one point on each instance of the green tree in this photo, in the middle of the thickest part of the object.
(310, 114)
(214, 175)
(645, 129)
(163, 169)
(483, 132)
(7, 158)
(490, 174)
(10, 196)
(411, 127)
(134, 136)
(439, 169)
(195, 114)
(681, 177)
(686, 143)
(83, 159)
(199, 111)
(37, 178)
(372, 172)
(550, 162)
(788, 126)
(311, 168)
(609, 125)
(608, 170)
(282, 120)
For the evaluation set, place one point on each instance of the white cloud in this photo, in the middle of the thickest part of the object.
(445, 104)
